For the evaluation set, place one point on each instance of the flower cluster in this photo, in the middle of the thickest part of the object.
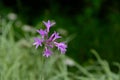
(49, 42)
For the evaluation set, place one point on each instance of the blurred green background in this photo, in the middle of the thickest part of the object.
(91, 24)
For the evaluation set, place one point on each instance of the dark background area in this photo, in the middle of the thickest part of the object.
(96, 23)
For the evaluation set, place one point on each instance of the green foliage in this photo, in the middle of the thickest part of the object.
(20, 61)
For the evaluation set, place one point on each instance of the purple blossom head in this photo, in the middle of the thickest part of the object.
(47, 52)
(37, 42)
(49, 42)
(48, 24)
(61, 46)
(42, 32)
(54, 36)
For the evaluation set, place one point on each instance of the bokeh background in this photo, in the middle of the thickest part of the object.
(91, 24)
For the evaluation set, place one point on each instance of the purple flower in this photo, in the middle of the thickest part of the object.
(54, 36)
(49, 42)
(37, 42)
(61, 46)
(48, 24)
(42, 32)
(47, 52)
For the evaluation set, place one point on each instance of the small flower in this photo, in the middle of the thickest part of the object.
(12, 16)
(61, 46)
(42, 32)
(47, 52)
(49, 42)
(69, 62)
(37, 42)
(54, 36)
(48, 24)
